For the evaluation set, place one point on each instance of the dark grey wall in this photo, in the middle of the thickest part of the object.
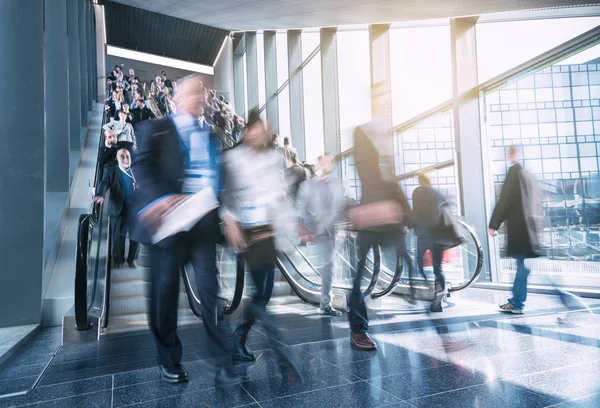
(22, 163)
(147, 71)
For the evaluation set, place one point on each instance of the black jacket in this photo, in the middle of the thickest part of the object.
(113, 181)
(142, 114)
(159, 170)
(433, 219)
(518, 207)
(373, 187)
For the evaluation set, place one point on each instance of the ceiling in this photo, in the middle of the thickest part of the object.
(242, 15)
(154, 33)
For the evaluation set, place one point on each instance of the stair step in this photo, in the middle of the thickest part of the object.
(281, 288)
(138, 305)
(129, 274)
(138, 322)
(284, 300)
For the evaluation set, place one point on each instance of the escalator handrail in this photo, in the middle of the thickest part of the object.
(87, 222)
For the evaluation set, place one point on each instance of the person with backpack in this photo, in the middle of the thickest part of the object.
(436, 232)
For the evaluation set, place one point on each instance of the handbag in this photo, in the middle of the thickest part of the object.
(374, 215)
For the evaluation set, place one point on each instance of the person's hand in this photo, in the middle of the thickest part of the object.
(134, 148)
(97, 200)
(152, 217)
(106, 107)
(234, 234)
(492, 232)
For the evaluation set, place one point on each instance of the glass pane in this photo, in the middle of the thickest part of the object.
(561, 149)
(245, 86)
(313, 109)
(420, 80)
(354, 83)
(310, 41)
(283, 99)
(496, 50)
(282, 58)
(260, 53)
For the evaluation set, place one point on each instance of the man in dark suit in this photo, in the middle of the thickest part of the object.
(121, 183)
(141, 112)
(174, 158)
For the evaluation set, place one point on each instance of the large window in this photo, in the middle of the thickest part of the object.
(310, 41)
(504, 45)
(283, 99)
(354, 83)
(260, 54)
(245, 86)
(313, 109)
(553, 116)
(421, 70)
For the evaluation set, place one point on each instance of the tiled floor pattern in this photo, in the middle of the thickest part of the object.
(445, 361)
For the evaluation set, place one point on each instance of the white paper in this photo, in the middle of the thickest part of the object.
(186, 214)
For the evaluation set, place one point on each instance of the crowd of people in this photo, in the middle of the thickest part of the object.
(265, 195)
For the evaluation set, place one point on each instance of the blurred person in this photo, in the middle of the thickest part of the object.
(123, 130)
(131, 78)
(108, 155)
(141, 112)
(295, 175)
(435, 232)
(379, 219)
(311, 170)
(110, 105)
(288, 150)
(156, 86)
(171, 104)
(120, 181)
(163, 103)
(176, 158)
(230, 110)
(118, 101)
(520, 208)
(274, 141)
(253, 198)
(139, 94)
(321, 204)
(166, 81)
(238, 125)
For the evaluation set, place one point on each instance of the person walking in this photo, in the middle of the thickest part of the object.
(519, 207)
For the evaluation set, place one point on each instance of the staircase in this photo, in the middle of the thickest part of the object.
(130, 295)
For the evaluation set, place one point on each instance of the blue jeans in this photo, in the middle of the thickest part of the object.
(520, 286)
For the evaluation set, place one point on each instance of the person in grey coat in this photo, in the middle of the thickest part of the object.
(519, 207)
(321, 203)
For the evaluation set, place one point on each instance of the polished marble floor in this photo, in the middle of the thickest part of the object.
(468, 356)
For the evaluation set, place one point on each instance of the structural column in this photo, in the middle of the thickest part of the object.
(56, 55)
(381, 95)
(74, 75)
(224, 71)
(467, 132)
(90, 53)
(100, 57)
(83, 64)
(252, 70)
(22, 162)
(294, 39)
(238, 77)
(329, 79)
(271, 80)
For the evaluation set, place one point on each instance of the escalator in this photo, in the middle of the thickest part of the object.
(111, 300)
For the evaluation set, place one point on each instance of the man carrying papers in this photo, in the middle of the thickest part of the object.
(179, 176)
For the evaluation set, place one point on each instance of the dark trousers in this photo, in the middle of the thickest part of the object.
(262, 268)
(197, 247)
(358, 317)
(120, 231)
(437, 252)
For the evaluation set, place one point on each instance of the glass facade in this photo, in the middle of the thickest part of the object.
(496, 52)
(354, 83)
(260, 53)
(553, 116)
(420, 80)
(313, 109)
(245, 86)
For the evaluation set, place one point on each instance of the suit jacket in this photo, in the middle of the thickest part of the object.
(160, 171)
(140, 115)
(113, 180)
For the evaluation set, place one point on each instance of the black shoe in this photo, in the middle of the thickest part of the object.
(175, 374)
(436, 307)
(225, 378)
(241, 351)
(329, 311)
